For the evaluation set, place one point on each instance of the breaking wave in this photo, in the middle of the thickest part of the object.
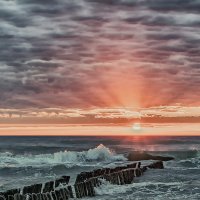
(99, 153)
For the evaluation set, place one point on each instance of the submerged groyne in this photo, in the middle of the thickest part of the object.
(84, 186)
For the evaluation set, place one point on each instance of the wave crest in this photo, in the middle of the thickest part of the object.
(99, 153)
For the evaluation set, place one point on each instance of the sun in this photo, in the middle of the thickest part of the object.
(136, 127)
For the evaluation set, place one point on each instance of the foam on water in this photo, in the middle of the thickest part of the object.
(100, 153)
(109, 189)
(146, 190)
(24, 162)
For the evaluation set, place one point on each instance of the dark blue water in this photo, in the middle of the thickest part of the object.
(28, 160)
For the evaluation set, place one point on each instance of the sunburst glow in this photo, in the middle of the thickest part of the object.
(137, 127)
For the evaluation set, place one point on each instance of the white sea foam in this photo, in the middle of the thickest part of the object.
(109, 189)
(140, 191)
(100, 153)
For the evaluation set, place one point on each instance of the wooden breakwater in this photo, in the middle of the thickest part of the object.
(84, 186)
(34, 190)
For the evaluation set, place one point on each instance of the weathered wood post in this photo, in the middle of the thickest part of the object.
(80, 189)
(38, 188)
(19, 197)
(129, 175)
(90, 189)
(28, 196)
(53, 195)
(84, 189)
(16, 197)
(62, 193)
(76, 191)
(58, 195)
(121, 178)
(10, 192)
(48, 187)
(34, 196)
(67, 192)
(62, 180)
(70, 191)
(125, 177)
(3, 198)
(48, 195)
(44, 197)
(39, 196)
(32, 189)
(10, 197)
(114, 178)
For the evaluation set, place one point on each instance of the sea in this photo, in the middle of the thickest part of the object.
(29, 160)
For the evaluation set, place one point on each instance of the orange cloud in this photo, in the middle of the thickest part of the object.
(101, 115)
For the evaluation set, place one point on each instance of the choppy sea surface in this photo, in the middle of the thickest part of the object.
(29, 160)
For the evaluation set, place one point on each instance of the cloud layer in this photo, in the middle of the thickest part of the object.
(101, 115)
(99, 53)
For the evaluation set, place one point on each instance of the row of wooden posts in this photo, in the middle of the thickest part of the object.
(38, 188)
(61, 194)
(84, 186)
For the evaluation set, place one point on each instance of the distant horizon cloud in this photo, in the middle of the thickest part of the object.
(107, 55)
(101, 115)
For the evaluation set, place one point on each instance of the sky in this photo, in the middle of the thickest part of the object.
(99, 61)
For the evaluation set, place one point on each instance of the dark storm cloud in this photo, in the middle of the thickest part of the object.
(158, 5)
(66, 53)
(174, 5)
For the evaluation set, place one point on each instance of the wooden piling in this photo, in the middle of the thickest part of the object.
(97, 172)
(59, 195)
(131, 171)
(82, 189)
(90, 189)
(44, 197)
(64, 193)
(125, 177)
(67, 192)
(78, 195)
(32, 189)
(10, 192)
(10, 197)
(70, 191)
(63, 180)
(3, 198)
(114, 178)
(48, 187)
(48, 195)
(19, 197)
(129, 175)
(28, 197)
(137, 172)
(138, 164)
(34, 196)
(16, 197)
(53, 195)
(66, 179)
(39, 196)
(121, 178)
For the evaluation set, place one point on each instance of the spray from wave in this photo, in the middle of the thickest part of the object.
(99, 153)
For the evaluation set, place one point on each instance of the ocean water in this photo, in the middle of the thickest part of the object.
(29, 160)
